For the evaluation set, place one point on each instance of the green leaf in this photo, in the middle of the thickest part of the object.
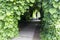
(11, 0)
(32, 1)
(59, 7)
(55, 5)
(52, 10)
(56, 0)
(2, 17)
(15, 7)
(28, 1)
(8, 13)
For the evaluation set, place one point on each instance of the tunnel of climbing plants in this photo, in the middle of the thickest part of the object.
(14, 13)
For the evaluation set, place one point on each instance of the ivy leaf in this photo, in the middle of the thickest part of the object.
(11, 0)
(55, 5)
(59, 7)
(2, 17)
(56, 0)
(52, 10)
(8, 13)
(28, 1)
(32, 1)
(18, 13)
(16, 8)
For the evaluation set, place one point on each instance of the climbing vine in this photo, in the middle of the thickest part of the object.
(10, 11)
(51, 30)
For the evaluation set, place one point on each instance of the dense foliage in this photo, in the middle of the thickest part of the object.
(13, 10)
(32, 11)
(51, 30)
(10, 11)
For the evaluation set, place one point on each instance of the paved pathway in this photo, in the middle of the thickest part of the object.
(27, 33)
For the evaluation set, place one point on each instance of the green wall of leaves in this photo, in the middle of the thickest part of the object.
(10, 11)
(51, 30)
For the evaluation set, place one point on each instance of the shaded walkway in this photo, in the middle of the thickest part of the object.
(28, 32)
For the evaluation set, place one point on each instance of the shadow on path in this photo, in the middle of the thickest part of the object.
(28, 31)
